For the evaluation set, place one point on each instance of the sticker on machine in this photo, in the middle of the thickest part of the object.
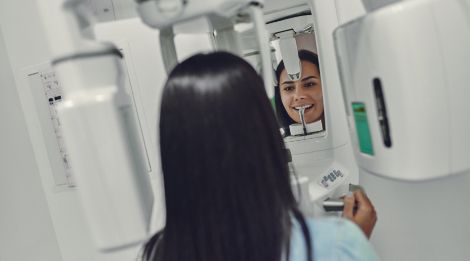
(332, 178)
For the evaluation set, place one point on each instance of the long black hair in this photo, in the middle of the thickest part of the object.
(227, 186)
(283, 118)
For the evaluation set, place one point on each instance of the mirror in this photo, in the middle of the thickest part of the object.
(298, 93)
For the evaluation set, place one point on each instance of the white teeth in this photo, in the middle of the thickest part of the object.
(304, 107)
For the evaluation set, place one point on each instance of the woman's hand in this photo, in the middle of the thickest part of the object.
(359, 209)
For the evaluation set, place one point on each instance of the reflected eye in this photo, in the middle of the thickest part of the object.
(310, 84)
(288, 88)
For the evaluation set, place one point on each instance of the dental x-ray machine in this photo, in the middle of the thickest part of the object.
(100, 130)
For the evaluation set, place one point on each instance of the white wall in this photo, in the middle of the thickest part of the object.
(27, 231)
(26, 227)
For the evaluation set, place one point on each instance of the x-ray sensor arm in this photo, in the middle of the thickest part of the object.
(286, 30)
(165, 13)
(288, 48)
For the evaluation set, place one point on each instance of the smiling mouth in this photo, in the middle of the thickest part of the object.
(306, 107)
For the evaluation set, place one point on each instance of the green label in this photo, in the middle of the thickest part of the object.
(362, 128)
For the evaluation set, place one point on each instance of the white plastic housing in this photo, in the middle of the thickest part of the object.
(288, 48)
(152, 13)
(371, 5)
(286, 30)
(100, 132)
(420, 52)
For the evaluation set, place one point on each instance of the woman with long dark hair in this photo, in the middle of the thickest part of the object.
(227, 185)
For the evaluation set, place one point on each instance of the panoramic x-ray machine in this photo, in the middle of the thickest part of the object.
(99, 125)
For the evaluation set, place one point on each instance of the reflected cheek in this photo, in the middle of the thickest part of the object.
(286, 102)
(286, 99)
(317, 95)
(318, 99)
(320, 106)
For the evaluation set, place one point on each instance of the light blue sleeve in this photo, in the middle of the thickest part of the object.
(340, 240)
(353, 244)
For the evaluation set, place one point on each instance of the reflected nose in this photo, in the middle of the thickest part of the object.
(299, 94)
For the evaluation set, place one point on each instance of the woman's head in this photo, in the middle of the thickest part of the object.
(306, 92)
(225, 169)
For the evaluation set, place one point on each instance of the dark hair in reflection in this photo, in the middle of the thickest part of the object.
(227, 186)
(283, 118)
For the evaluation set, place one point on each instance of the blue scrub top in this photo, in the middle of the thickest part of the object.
(334, 239)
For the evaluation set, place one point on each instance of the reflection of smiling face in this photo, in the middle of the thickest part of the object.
(306, 92)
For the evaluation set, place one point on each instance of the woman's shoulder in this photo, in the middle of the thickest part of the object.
(339, 239)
